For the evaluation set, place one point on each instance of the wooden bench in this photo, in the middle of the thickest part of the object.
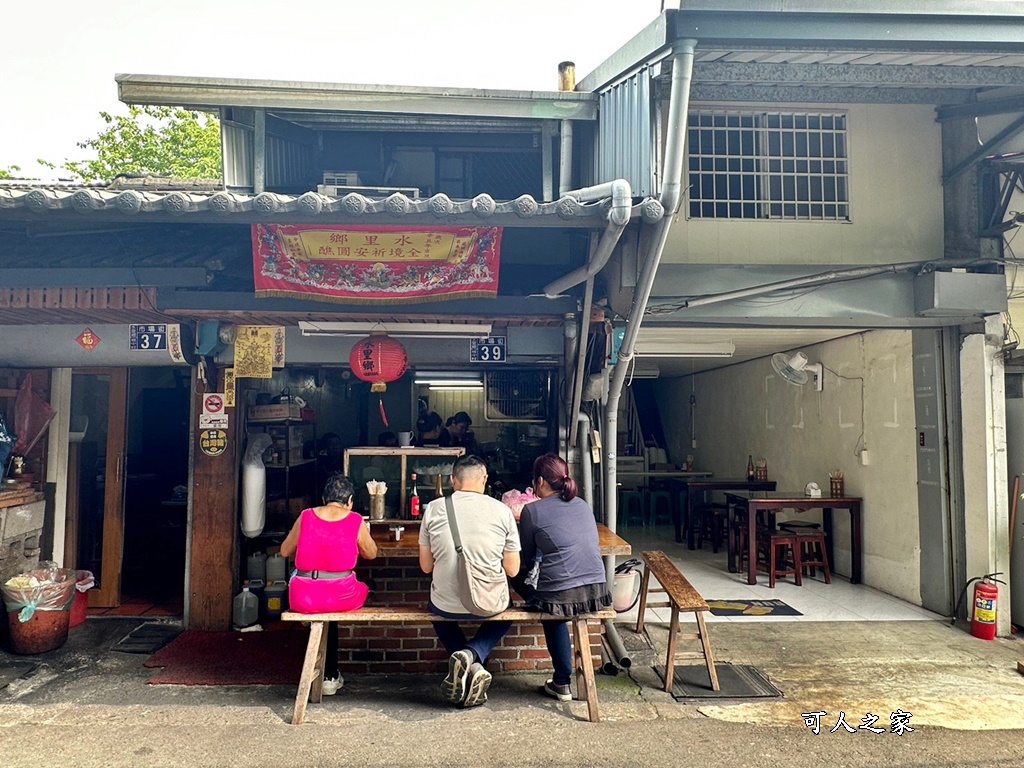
(682, 597)
(310, 682)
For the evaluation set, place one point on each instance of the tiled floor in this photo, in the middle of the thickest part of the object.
(816, 600)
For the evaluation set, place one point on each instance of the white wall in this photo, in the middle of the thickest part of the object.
(747, 409)
(895, 203)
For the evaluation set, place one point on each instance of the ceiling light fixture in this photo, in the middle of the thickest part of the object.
(643, 371)
(397, 330)
(666, 348)
(442, 382)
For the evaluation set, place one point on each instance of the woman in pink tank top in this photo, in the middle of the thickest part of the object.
(327, 541)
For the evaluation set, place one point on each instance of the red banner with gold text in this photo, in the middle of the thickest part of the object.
(374, 264)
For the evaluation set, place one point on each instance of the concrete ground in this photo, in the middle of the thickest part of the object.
(85, 705)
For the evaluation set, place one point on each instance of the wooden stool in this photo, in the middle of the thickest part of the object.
(626, 506)
(655, 507)
(682, 597)
(779, 566)
(812, 553)
(713, 521)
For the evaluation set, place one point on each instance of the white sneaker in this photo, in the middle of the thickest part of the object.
(330, 685)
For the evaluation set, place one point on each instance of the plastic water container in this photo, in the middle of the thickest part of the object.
(275, 600)
(256, 567)
(246, 609)
(256, 586)
(277, 568)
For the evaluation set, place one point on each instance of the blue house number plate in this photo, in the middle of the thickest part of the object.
(147, 337)
(488, 350)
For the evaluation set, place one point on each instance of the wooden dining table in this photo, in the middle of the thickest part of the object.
(772, 501)
(408, 545)
(697, 486)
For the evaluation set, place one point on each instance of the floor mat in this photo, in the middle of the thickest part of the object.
(12, 670)
(147, 638)
(751, 608)
(736, 682)
(232, 658)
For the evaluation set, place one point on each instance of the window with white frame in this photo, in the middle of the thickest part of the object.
(768, 165)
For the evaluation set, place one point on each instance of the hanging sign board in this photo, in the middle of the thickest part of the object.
(359, 264)
(490, 349)
(213, 442)
(146, 337)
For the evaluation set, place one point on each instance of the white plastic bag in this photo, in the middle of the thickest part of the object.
(254, 486)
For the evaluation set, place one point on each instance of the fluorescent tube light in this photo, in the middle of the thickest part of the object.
(435, 382)
(409, 330)
(641, 371)
(456, 388)
(667, 348)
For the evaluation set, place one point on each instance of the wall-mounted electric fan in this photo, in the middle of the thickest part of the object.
(796, 370)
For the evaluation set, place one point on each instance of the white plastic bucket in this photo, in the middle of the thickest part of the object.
(625, 590)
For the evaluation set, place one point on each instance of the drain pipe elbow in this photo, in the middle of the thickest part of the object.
(618, 217)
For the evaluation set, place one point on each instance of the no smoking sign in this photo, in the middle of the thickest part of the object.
(213, 416)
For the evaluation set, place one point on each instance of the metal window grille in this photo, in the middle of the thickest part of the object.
(768, 165)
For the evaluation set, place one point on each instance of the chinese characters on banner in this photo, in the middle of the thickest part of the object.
(375, 264)
(258, 350)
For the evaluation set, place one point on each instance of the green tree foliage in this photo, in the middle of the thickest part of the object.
(159, 141)
(10, 172)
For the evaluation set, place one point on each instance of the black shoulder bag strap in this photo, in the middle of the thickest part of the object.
(450, 507)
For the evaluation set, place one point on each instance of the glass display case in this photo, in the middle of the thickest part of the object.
(395, 467)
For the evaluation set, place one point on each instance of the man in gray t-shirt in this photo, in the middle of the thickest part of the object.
(490, 538)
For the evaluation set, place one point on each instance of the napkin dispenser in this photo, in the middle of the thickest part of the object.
(812, 491)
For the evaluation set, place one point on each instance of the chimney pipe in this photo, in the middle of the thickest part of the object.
(567, 76)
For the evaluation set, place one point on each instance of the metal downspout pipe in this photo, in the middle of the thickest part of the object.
(565, 158)
(586, 463)
(671, 194)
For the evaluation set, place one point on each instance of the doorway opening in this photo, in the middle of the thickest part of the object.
(127, 490)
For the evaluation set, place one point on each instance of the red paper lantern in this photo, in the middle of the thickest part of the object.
(378, 359)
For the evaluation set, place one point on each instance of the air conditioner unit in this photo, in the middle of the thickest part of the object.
(334, 190)
(341, 179)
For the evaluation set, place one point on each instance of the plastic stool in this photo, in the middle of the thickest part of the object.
(626, 499)
(654, 508)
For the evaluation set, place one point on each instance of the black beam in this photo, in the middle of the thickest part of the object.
(503, 306)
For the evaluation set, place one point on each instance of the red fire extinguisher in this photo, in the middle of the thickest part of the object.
(986, 598)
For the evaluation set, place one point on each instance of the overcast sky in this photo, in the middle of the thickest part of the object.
(60, 56)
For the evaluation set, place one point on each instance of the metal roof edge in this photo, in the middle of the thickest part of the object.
(860, 7)
(867, 28)
(209, 92)
(651, 42)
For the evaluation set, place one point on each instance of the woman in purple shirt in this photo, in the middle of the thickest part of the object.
(560, 530)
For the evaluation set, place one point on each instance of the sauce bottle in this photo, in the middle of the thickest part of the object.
(414, 500)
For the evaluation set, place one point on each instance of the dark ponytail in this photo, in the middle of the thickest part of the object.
(553, 468)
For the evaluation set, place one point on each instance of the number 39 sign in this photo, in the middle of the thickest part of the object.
(490, 349)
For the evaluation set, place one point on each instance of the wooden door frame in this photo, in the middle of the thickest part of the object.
(108, 595)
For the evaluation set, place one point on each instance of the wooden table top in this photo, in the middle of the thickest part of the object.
(408, 545)
(794, 497)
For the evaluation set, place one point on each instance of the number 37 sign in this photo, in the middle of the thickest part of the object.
(490, 349)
